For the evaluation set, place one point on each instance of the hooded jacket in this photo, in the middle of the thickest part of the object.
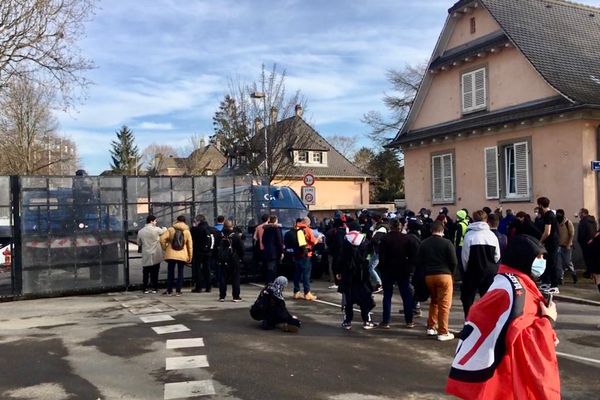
(481, 250)
(184, 254)
(462, 224)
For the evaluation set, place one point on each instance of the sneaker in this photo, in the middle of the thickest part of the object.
(431, 332)
(445, 337)
(417, 313)
(146, 291)
(153, 292)
(298, 296)
(347, 325)
(178, 294)
(237, 300)
(378, 289)
(333, 286)
(383, 325)
(221, 299)
(410, 325)
(574, 275)
(309, 296)
(167, 293)
(369, 325)
(289, 328)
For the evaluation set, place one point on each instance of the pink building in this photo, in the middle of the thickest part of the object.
(509, 109)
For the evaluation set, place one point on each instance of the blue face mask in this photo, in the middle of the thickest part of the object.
(538, 267)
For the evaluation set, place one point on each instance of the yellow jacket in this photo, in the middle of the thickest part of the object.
(184, 254)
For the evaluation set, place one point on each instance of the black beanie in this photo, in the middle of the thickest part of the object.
(521, 252)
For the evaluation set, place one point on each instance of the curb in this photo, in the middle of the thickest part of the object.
(577, 300)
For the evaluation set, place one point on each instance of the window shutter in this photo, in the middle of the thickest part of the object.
(448, 177)
(467, 92)
(522, 169)
(491, 173)
(436, 175)
(480, 92)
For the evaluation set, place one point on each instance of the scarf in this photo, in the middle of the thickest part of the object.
(277, 287)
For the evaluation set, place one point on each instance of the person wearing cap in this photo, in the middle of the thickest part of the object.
(507, 346)
(448, 223)
(462, 222)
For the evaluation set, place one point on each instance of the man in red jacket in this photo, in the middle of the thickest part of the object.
(507, 346)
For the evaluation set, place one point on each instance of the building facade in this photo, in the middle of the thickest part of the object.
(509, 109)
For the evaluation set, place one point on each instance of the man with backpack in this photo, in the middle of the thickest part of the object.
(355, 280)
(272, 247)
(335, 239)
(230, 253)
(204, 238)
(305, 240)
(178, 247)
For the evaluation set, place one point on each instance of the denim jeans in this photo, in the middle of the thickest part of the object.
(405, 293)
(565, 262)
(372, 265)
(302, 272)
(171, 275)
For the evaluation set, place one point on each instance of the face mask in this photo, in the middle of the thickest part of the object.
(538, 267)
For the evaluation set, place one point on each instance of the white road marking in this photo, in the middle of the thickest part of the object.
(151, 310)
(183, 343)
(574, 357)
(186, 362)
(161, 330)
(156, 318)
(182, 390)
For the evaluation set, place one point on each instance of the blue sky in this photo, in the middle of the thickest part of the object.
(162, 66)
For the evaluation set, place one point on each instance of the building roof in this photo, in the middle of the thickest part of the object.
(469, 49)
(561, 40)
(202, 159)
(305, 137)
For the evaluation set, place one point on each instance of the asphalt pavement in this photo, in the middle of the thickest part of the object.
(128, 346)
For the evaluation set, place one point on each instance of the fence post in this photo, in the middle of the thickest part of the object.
(17, 254)
(126, 229)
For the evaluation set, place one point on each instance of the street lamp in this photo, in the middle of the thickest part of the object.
(261, 95)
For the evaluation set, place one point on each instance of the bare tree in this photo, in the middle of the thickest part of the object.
(258, 124)
(38, 40)
(344, 144)
(30, 143)
(405, 83)
(155, 155)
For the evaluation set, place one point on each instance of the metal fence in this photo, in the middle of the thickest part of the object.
(61, 235)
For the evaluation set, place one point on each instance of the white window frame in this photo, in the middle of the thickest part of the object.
(513, 162)
(303, 153)
(316, 157)
(469, 89)
(445, 179)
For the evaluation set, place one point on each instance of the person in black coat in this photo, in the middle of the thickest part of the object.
(585, 233)
(230, 254)
(204, 239)
(272, 241)
(271, 310)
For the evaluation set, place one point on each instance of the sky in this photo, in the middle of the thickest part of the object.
(162, 66)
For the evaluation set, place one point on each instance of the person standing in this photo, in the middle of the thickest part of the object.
(230, 254)
(462, 223)
(258, 248)
(354, 277)
(549, 239)
(204, 238)
(507, 346)
(178, 247)
(493, 222)
(379, 230)
(152, 254)
(566, 233)
(585, 233)
(272, 247)
(437, 258)
(335, 239)
(220, 222)
(480, 257)
(302, 259)
(396, 269)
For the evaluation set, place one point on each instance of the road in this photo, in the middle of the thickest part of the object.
(98, 347)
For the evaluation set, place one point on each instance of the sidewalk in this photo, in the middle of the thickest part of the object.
(584, 292)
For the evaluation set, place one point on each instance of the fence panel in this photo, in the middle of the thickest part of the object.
(6, 246)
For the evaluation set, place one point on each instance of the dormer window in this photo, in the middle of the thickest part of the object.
(317, 157)
(303, 156)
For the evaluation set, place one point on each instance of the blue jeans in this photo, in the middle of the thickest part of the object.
(405, 293)
(171, 275)
(302, 271)
(372, 265)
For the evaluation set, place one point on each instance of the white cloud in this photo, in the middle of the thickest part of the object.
(153, 126)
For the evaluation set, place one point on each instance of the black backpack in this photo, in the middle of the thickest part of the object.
(225, 250)
(299, 251)
(356, 259)
(178, 241)
(208, 240)
(258, 311)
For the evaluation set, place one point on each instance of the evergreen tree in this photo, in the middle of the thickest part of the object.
(389, 172)
(124, 153)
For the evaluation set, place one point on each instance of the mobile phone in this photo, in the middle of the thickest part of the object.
(548, 297)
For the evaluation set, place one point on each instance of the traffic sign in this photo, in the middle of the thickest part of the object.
(309, 195)
(596, 166)
(309, 179)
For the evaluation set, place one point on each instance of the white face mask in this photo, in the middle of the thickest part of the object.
(538, 267)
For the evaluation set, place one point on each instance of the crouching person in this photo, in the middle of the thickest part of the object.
(271, 310)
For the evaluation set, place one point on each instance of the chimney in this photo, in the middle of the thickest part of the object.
(256, 124)
(273, 115)
(298, 110)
